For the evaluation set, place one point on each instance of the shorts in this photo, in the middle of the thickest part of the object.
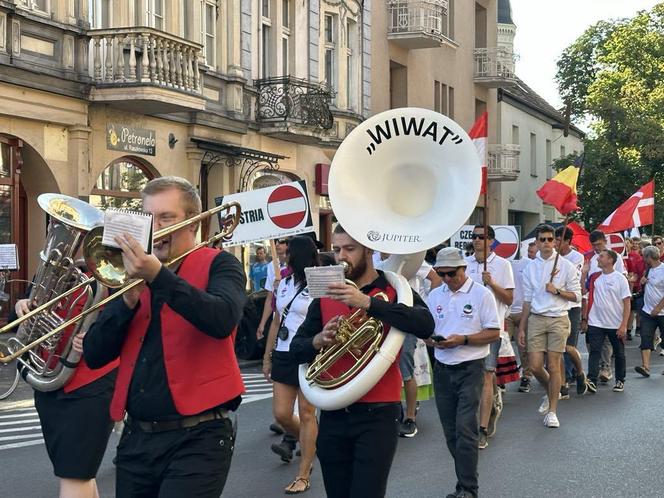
(574, 315)
(407, 358)
(546, 333)
(649, 325)
(491, 360)
(76, 432)
(637, 302)
(285, 369)
(512, 324)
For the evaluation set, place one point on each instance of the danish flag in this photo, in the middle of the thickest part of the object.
(637, 211)
(479, 133)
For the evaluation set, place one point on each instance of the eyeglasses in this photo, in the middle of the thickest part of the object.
(545, 239)
(282, 241)
(449, 274)
(477, 236)
(658, 243)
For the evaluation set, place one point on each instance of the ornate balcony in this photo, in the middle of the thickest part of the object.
(503, 162)
(145, 67)
(494, 67)
(416, 23)
(294, 109)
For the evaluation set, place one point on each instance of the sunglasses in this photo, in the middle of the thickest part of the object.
(658, 243)
(449, 274)
(546, 239)
(477, 236)
(282, 241)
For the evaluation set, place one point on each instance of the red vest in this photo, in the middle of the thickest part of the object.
(83, 375)
(202, 372)
(388, 388)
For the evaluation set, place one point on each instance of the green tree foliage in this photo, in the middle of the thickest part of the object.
(614, 73)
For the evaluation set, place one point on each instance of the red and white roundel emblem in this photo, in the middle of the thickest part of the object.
(615, 242)
(507, 242)
(286, 206)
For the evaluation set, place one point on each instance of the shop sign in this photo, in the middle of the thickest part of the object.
(127, 139)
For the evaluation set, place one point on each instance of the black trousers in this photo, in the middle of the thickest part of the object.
(356, 447)
(183, 463)
(458, 391)
(596, 337)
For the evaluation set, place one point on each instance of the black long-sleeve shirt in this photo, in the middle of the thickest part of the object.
(214, 311)
(416, 320)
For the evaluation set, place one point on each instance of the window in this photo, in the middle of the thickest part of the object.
(515, 135)
(437, 97)
(448, 21)
(450, 103)
(549, 166)
(330, 50)
(443, 99)
(264, 49)
(533, 154)
(184, 19)
(285, 13)
(398, 85)
(42, 6)
(563, 153)
(100, 13)
(155, 14)
(120, 185)
(285, 38)
(208, 30)
(352, 58)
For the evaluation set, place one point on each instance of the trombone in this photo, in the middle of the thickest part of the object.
(118, 278)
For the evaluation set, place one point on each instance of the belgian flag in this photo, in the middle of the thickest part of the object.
(560, 191)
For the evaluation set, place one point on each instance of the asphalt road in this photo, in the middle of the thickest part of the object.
(609, 445)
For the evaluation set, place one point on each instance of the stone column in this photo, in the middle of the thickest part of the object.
(79, 158)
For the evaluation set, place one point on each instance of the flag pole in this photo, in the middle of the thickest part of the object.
(562, 239)
(653, 210)
(486, 223)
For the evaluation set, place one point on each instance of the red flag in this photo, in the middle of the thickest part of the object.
(637, 211)
(560, 191)
(480, 136)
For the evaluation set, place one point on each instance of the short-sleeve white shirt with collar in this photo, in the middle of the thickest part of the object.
(298, 310)
(518, 265)
(269, 279)
(654, 289)
(577, 259)
(501, 273)
(465, 312)
(535, 277)
(609, 291)
(593, 265)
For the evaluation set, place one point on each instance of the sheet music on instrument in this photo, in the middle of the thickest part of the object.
(9, 257)
(138, 225)
(320, 277)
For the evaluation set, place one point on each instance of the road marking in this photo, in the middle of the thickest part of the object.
(17, 422)
(19, 429)
(21, 445)
(18, 415)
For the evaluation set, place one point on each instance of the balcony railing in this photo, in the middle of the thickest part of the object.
(494, 67)
(417, 23)
(294, 101)
(144, 56)
(503, 162)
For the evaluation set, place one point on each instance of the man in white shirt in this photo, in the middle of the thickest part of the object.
(549, 285)
(571, 356)
(498, 278)
(652, 313)
(514, 317)
(466, 322)
(598, 241)
(608, 308)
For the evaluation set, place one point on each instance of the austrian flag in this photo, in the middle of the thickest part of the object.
(479, 133)
(637, 211)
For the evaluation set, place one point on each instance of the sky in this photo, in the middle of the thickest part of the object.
(544, 29)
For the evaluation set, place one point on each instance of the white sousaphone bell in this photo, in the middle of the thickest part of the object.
(401, 182)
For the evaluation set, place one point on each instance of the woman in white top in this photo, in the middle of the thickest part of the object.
(292, 298)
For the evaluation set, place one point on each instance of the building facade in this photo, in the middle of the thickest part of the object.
(99, 96)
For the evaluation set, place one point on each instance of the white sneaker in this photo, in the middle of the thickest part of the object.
(551, 420)
(544, 407)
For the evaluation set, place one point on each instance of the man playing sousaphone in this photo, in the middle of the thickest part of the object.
(356, 444)
(178, 378)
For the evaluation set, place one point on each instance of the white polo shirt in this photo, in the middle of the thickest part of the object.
(609, 291)
(577, 259)
(297, 312)
(535, 277)
(518, 265)
(269, 279)
(501, 273)
(654, 289)
(593, 265)
(465, 312)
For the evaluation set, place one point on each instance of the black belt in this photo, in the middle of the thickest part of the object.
(181, 423)
(365, 407)
(459, 366)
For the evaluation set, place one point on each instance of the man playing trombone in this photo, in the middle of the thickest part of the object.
(178, 379)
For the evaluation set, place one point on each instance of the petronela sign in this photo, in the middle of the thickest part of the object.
(126, 139)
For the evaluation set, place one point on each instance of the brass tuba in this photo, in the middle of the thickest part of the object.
(415, 177)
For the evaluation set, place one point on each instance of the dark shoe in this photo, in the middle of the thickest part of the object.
(642, 370)
(592, 388)
(619, 387)
(564, 392)
(284, 450)
(483, 441)
(581, 384)
(629, 335)
(637, 332)
(408, 428)
(276, 428)
(524, 387)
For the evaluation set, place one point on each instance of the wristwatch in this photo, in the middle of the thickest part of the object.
(465, 340)
(557, 292)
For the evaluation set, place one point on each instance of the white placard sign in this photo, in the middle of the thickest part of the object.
(506, 245)
(8, 257)
(271, 213)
